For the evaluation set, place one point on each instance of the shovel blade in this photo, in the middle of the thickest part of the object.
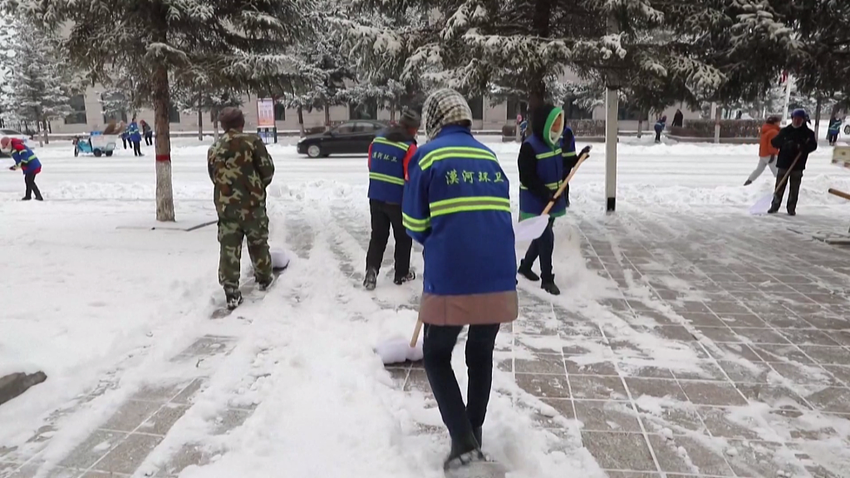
(762, 206)
(531, 229)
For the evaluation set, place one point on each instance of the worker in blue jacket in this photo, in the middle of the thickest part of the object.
(457, 205)
(541, 172)
(135, 137)
(389, 156)
(27, 161)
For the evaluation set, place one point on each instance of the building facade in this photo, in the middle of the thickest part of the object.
(89, 115)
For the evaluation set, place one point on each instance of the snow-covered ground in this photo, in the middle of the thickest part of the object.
(102, 303)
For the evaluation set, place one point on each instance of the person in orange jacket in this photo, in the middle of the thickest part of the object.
(767, 153)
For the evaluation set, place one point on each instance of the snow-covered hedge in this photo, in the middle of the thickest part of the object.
(704, 128)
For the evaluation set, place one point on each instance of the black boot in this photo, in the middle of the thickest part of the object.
(526, 272)
(233, 298)
(371, 280)
(463, 453)
(399, 280)
(478, 433)
(265, 283)
(773, 210)
(549, 285)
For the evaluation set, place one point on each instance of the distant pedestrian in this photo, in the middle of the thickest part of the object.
(241, 169)
(678, 119)
(389, 157)
(767, 153)
(135, 137)
(659, 127)
(124, 138)
(147, 132)
(833, 129)
(794, 142)
(27, 161)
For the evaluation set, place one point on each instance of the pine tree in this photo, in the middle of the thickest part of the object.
(232, 41)
(41, 82)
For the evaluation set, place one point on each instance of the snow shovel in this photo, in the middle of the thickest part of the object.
(531, 229)
(763, 204)
(400, 350)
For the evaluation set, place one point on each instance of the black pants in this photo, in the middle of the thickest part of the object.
(124, 140)
(795, 178)
(658, 136)
(137, 148)
(438, 344)
(148, 139)
(29, 180)
(385, 215)
(832, 137)
(542, 247)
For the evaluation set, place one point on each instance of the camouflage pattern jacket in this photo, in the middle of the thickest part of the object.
(240, 168)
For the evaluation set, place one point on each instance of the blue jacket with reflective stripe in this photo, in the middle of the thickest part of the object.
(550, 169)
(133, 132)
(27, 160)
(386, 169)
(568, 148)
(457, 205)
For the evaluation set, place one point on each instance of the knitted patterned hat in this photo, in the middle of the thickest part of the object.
(444, 107)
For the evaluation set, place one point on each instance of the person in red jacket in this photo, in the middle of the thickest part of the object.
(27, 161)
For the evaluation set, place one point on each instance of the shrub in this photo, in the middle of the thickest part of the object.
(704, 128)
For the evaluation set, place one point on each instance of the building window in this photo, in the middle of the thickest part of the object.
(78, 104)
(173, 114)
(477, 106)
(279, 112)
(576, 112)
(627, 113)
(516, 107)
(367, 110)
(114, 107)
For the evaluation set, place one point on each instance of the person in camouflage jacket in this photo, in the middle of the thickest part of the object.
(241, 169)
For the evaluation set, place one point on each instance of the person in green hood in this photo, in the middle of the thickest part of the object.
(541, 173)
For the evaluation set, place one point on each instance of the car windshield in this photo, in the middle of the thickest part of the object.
(10, 132)
(346, 128)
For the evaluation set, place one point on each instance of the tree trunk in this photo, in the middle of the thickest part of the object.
(300, 111)
(327, 117)
(44, 131)
(817, 116)
(717, 113)
(611, 138)
(640, 126)
(215, 129)
(200, 124)
(392, 111)
(161, 102)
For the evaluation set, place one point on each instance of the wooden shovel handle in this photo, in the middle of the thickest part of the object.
(564, 184)
(838, 193)
(788, 173)
(416, 332)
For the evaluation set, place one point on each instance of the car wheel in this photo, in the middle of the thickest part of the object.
(108, 153)
(97, 153)
(314, 151)
(847, 129)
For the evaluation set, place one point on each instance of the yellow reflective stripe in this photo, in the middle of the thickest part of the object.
(552, 186)
(569, 153)
(455, 152)
(418, 225)
(473, 203)
(391, 143)
(549, 154)
(386, 178)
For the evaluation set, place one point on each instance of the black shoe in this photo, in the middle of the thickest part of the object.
(26, 199)
(463, 453)
(773, 210)
(792, 212)
(406, 278)
(527, 272)
(39, 199)
(371, 280)
(234, 298)
(748, 182)
(549, 286)
(264, 285)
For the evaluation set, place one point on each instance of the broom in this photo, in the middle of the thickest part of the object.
(400, 350)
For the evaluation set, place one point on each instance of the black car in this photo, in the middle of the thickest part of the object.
(351, 137)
